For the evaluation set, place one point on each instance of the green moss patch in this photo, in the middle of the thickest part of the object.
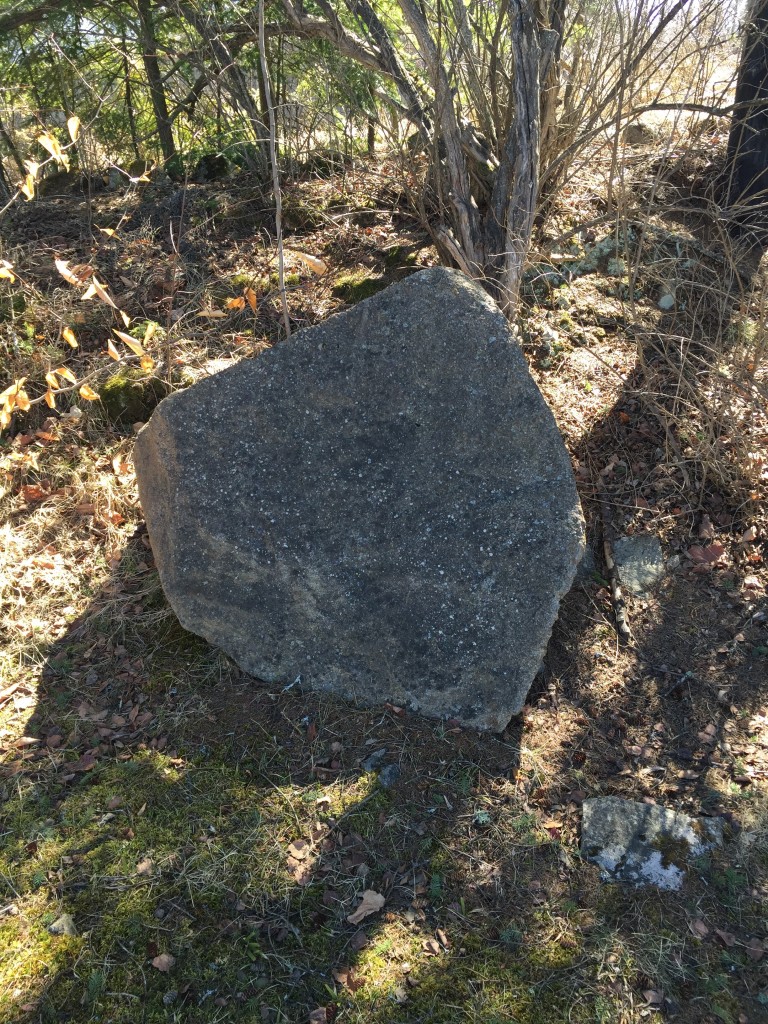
(357, 286)
(130, 396)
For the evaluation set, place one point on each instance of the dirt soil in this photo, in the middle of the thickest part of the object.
(182, 843)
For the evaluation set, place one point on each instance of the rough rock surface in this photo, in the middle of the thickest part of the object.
(381, 507)
(639, 562)
(644, 844)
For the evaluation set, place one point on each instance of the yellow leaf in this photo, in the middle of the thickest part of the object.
(109, 232)
(6, 271)
(73, 126)
(126, 319)
(101, 291)
(22, 401)
(213, 314)
(51, 381)
(89, 292)
(112, 350)
(250, 294)
(149, 332)
(67, 273)
(133, 345)
(238, 303)
(69, 336)
(5, 418)
(52, 145)
(317, 266)
(66, 374)
(50, 399)
(13, 389)
(146, 362)
(32, 167)
(27, 187)
(88, 394)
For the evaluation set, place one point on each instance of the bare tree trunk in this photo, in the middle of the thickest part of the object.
(12, 150)
(155, 80)
(748, 138)
(129, 100)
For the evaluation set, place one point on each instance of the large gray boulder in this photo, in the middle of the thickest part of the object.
(381, 507)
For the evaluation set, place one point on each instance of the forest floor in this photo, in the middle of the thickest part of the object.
(182, 843)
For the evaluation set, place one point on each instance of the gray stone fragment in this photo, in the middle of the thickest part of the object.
(644, 844)
(374, 760)
(64, 925)
(639, 562)
(381, 507)
(389, 775)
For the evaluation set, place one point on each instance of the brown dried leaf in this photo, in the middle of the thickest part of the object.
(706, 555)
(706, 529)
(727, 938)
(370, 903)
(164, 962)
(698, 928)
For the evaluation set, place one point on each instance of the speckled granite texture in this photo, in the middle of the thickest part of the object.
(381, 507)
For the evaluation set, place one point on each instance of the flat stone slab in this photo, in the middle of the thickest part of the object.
(644, 844)
(640, 562)
(381, 507)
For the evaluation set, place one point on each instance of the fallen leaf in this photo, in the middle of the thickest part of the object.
(33, 492)
(698, 928)
(359, 941)
(299, 849)
(749, 535)
(164, 962)
(85, 764)
(319, 1016)
(728, 938)
(755, 949)
(706, 555)
(431, 947)
(313, 263)
(370, 903)
(145, 867)
(706, 529)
